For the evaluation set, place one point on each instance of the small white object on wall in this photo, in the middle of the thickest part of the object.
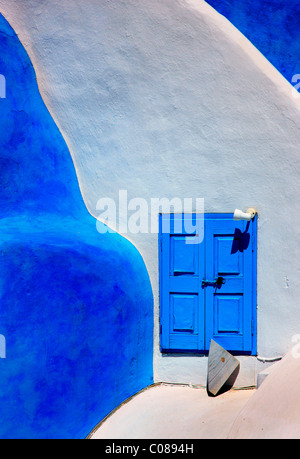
(240, 215)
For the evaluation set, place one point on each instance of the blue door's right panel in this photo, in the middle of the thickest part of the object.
(229, 308)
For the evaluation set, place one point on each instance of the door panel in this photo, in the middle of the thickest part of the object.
(226, 262)
(228, 314)
(182, 299)
(184, 312)
(229, 308)
(184, 257)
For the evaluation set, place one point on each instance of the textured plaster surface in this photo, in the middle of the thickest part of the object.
(168, 99)
(174, 412)
(273, 410)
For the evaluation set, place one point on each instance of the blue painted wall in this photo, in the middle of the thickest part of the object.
(273, 26)
(76, 306)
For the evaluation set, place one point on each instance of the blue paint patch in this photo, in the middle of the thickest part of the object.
(272, 27)
(76, 306)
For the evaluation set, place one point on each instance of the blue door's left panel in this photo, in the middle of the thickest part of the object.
(181, 264)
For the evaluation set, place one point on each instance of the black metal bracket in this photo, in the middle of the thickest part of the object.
(216, 283)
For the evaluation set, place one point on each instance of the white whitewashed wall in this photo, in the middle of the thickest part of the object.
(165, 98)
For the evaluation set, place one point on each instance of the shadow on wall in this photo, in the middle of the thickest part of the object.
(271, 26)
(76, 306)
(241, 240)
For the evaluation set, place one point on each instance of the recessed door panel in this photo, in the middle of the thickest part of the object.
(184, 313)
(184, 259)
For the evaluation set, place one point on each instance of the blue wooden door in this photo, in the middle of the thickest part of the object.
(208, 290)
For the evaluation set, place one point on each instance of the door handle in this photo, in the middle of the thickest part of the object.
(216, 283)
